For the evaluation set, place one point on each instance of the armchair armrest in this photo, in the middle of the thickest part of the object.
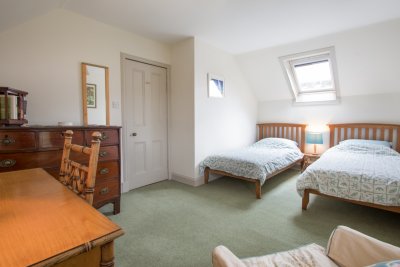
(348, 247)
(223, 257)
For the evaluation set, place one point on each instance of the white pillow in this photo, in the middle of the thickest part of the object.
(274, 141)
(366, 142)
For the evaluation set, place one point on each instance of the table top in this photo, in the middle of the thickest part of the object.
(41, 218)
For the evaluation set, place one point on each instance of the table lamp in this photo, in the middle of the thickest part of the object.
(314, 138)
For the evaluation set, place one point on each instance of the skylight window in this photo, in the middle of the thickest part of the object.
(312, 75)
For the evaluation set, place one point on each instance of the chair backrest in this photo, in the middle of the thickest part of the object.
(78, 177)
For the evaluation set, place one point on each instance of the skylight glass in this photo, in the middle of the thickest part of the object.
(314, 76)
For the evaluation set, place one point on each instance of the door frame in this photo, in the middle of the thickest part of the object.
(125, 183)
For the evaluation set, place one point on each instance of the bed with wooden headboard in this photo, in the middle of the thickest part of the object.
(295, 132)
(367, 131)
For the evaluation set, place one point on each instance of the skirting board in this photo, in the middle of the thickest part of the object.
(190, 181)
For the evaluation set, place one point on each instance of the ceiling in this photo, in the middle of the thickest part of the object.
(236, 26)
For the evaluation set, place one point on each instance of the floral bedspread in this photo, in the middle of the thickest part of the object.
(257, 161)
(368, 173)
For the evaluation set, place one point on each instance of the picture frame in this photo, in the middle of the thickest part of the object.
(91, 95)
(216, 86)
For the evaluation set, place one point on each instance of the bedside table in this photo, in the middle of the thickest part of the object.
(308, 160)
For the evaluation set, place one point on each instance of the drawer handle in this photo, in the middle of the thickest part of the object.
(103, 136)
(102, 154)
(7, 141)
(104, 191)
(6, 163)
(104, 171)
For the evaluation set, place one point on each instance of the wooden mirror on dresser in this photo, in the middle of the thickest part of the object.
(95, 94)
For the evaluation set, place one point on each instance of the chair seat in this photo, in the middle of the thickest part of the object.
(311, 255)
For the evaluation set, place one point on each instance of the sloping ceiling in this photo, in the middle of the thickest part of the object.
(367, 61)
(14, 12)
(235, 26)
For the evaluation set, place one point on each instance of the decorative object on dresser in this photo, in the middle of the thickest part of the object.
(42, 147)
(12, 106)
(78, 177)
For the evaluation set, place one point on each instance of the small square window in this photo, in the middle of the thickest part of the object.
(312, 75)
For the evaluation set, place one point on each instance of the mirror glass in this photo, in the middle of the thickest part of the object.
(95, 94)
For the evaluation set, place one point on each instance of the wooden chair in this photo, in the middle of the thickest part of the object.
(77, 177)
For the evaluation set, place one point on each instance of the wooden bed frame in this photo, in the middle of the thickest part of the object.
(340, 132)
(295, 132)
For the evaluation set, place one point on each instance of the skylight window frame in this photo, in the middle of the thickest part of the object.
(288, 64)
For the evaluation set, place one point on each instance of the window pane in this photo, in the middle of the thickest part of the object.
(316, 97)
(314, 76)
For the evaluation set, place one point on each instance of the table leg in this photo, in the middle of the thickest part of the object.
(107, 255)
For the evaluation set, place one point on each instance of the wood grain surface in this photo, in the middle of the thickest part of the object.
(40, 218)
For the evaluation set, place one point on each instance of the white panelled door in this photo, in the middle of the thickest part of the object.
(145, 123)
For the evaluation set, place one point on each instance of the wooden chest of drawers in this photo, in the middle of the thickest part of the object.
(41, 147)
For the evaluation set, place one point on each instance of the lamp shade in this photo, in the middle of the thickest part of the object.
(314, 138)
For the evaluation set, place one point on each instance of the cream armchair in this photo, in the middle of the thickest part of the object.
(346, 247)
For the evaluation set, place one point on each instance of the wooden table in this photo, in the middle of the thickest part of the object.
(43, 223)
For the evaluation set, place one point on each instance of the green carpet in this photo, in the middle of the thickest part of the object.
(172, 224)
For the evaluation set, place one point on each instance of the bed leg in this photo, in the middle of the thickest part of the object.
(206, 175)
(306, 199)
(258, 189)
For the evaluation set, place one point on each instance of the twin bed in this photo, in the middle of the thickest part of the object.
(279, 147)
(360, 167)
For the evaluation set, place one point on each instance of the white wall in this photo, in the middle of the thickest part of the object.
(221, 123)
(43, 56)
(382, 108)
(367, 59)
(181, 123)
(200, 126)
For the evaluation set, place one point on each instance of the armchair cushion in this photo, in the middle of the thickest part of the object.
(348, 247)
(309, 255)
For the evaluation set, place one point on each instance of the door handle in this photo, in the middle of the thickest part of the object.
(133, 134)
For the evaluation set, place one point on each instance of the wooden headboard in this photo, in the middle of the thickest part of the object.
(369, 131)
(295, 132)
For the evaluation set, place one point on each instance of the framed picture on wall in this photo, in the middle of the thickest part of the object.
(216, 86)
(91, 95)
